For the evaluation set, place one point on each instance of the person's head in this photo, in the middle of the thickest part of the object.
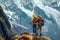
(34, 15)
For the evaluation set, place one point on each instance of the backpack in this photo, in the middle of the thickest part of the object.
(42, 22)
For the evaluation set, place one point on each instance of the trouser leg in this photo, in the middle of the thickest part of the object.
(40, 31)
(34, 28)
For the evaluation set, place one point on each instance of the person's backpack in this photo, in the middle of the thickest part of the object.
(42, 22)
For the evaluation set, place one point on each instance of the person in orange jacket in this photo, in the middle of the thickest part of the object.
(40, 22)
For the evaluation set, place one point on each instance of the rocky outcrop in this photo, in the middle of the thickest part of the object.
(4, 17)
(5, 27)
(1, 38)
(27, 36)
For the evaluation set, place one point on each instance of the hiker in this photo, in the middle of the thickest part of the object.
(34, 24)
(40, 22)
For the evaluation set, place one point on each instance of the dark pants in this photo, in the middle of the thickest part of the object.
(34, 28)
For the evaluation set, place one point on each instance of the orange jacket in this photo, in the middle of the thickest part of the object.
(38, 19)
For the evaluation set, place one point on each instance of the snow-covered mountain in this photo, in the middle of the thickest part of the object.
(20, 11)
(52, 3)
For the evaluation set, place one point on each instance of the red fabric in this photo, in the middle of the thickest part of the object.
(38, 19)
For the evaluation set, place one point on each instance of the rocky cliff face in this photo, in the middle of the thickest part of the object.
(4, 17)
(5, 27)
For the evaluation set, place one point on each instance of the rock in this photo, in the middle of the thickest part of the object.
(1, 38)
(24, 33)
(5, 27)
(27, 36)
